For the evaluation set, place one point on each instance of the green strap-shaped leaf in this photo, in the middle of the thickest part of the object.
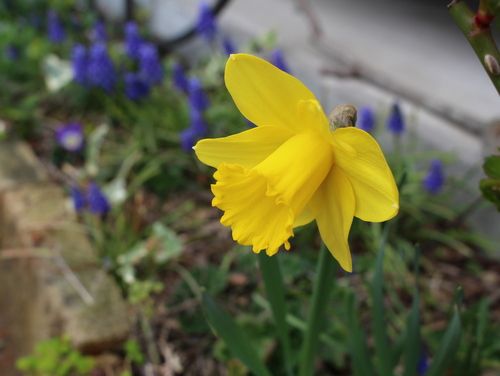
(412, 345)
(273, 282)
(448, 346)
(412, 337)
(237, 342)
(382, 354)
(361, 362)
(315, 322)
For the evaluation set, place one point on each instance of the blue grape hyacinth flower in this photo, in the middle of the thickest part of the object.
(78, 198)
(149, 64)
(366, 118)
(197, 97)
(70, 137)
(396, 122)
(196, 130)
(97, 202)
(135, 86)
(423, 363)
(133, 40)
(55, 28)
(228, 46)
(99, 33)
(206, 25)
(101, 71)
(179, 79)
(278, 60)
(434, 180)
(79, 64)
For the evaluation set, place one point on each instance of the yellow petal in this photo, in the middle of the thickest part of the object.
(306, 216)
(360, 157)
(312, 118)
(260, 204)
(256, 216)
(334, 203)
(264, 94)
(246, 149)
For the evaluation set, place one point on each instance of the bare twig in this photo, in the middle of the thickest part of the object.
(45, 253)
(73, 280)
(317, 30)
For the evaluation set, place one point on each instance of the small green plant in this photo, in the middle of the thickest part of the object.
(55, 357)
(408, 350)
(490, 186)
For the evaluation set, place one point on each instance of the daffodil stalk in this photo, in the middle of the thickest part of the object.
(476, 28)
(293, 168)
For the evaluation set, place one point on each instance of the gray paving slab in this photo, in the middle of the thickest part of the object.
(411, 46)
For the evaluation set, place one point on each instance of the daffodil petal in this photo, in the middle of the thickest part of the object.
(360, 157)
(264, 94)
(246, 149)
(312, 117)
(306, 216)
(334, 204)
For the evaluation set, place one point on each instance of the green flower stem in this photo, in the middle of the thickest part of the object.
(273, 282)
(480, 38)
(322, 287)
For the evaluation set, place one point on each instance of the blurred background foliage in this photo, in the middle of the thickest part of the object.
(423, 298)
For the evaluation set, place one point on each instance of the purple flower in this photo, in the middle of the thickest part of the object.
(423, 363)
(206, 25)
(78, 198)
(366, 118)
(179, 78)
(149, 64)
(188, 139)
(197, 129)
(101, 71)
(79, 62)
(228, 46)
(70, 137)
(99, 33)
(197, 97)
(395, 122)
(55, 28)
(278, 60)
(133, 40)
(434, 180)
(135, 86)
(97, 202)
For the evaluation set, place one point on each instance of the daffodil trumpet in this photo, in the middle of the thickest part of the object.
(293, 168)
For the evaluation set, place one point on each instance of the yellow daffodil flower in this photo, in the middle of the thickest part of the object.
(292, 168)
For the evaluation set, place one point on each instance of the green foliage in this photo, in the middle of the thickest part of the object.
(55, 357)
(140, 291)
(238, 343)
(273, 280)
(132, 151)
(162, 246)
(490, 186)
(408, 349)
(447, 350)
(133, 352)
